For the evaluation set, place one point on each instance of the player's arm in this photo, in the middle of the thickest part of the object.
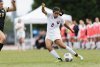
(13, 8)
(66, 24)
(43, 9)
(17, 27)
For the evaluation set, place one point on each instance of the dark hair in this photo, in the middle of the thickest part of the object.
(89, 19)
(56, 9)
(61, 12)
(0, 0)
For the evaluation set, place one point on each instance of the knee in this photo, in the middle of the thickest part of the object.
(48, 46)
(3, 38)
(64, 47)
(21, 40)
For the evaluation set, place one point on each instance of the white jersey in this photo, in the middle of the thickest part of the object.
(19, 26)
(20, 29)
(53, 24)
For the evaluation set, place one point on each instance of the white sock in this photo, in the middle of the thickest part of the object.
(92, 45)
(54, 53)
(88, 45)
(23, 46)
(83, 45)
(98, 45)
(19, 46)
(70, 50)
(70, 44)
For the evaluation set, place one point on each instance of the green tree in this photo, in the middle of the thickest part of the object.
(8, 28)
(79, 9)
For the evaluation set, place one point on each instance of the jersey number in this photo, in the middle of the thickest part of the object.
(1, 14)
(52, 24)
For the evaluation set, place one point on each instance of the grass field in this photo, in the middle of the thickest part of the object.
(42, 58)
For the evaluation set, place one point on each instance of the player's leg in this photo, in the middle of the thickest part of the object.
(21, 40)
(88, 45)
(2, 39)
(22, 44)
(51, 50)
(92, 44)
(61, 44)
(19, 44)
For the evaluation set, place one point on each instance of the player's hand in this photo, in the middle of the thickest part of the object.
(43, 4)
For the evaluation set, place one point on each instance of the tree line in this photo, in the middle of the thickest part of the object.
(79, 9)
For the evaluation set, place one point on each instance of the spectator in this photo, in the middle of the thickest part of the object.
(71, 34)
(89, 29)
(82, 30)
(75, 28)
(63, 33)
(82, 33)
(20, 31)
(96, 28)
(76, 43)
(40, 41)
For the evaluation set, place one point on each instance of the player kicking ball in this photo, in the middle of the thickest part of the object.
(53, 32)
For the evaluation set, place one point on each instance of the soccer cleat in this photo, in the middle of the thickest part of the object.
(59, 60)
(80, 57)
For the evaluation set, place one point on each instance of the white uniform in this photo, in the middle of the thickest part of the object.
(20, 29)
(53, 31)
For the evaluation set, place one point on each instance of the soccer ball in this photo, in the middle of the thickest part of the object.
(68, 57)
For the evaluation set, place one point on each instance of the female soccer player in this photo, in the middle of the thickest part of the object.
(2, 18)
(53, 32)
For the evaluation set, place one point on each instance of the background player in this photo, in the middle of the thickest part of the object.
(53, 32)
(20, 29)
(2, 18)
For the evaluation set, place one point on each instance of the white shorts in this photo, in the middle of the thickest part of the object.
(20, 34)
(53, 37)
